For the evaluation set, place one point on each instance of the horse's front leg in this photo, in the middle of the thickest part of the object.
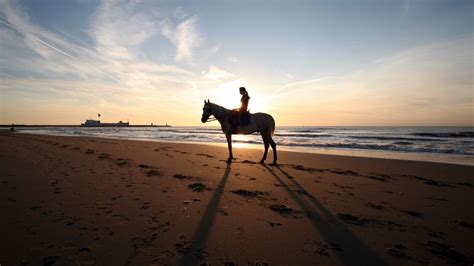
(229, 145)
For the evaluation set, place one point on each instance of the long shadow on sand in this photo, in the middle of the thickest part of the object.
(198, 242)
(354, 252)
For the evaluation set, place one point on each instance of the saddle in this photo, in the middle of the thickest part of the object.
(239, 118)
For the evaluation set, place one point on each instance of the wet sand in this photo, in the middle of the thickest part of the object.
(78, 200)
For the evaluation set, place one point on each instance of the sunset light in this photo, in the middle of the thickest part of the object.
(237, 132)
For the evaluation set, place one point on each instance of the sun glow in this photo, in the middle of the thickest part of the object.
(227, 95)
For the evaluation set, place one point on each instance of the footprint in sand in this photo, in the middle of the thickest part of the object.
(438, 235)
(197, 187)
(121, 162)
(50, 260)
(413, 213)
(180, 176)
(205, 155)
(103, 156)
(284, 210)
(465, 224)
(249, 194)
(352, 219)
(85, 257)
(321, 247)
(152, 172)
(398, 250)
(375, 206)
(445, 252)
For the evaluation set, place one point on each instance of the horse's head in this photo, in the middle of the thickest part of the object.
(206, 111)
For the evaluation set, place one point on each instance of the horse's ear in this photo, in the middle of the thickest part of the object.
(208, 101)
(204, 101)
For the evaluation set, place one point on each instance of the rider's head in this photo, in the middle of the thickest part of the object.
(243, 91)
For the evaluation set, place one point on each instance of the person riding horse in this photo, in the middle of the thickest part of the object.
(244, 100)
(241, 114)
(259, 122)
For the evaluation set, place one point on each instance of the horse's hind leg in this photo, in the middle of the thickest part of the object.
(274, 148)
(266, 144)
(229, 145)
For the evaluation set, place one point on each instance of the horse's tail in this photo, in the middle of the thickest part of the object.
(273, 126)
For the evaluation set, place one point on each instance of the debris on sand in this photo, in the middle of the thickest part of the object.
(197, 187)
(143, 166)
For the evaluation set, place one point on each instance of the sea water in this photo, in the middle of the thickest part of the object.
(439, 144)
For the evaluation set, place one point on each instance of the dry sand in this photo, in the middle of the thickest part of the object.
(77, 200)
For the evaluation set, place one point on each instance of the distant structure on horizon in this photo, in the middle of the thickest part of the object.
(97, 123)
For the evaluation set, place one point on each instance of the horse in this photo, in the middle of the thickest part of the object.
(259, 122)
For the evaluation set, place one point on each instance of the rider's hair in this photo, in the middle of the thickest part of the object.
(243, 89)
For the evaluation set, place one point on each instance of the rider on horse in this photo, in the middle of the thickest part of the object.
(241, 114)
(244, 100)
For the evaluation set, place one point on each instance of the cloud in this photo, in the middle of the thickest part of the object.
(180, 13)
(112, 73)
(118, 26)
(185, 36)
(215, 73)
(232, 59)
(408, 88)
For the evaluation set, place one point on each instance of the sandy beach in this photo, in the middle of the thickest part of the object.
(78, 200)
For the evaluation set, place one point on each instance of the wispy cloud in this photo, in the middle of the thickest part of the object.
(215, 73)
(411, 86)
(119, 26)
(184, 36)
(111, 70)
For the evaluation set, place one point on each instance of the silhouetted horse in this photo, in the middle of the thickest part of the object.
(259, 122)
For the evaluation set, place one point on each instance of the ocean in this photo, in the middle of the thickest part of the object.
(437, 144)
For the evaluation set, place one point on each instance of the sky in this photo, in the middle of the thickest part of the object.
(307, 63)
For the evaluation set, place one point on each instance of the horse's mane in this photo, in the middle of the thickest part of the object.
(219, 108)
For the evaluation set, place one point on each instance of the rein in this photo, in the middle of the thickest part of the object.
(214, 117)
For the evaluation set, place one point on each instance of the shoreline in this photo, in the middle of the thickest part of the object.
(86, 200)
(454, 159)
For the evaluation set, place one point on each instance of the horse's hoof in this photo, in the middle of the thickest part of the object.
(262, 161)
(229, 160)
(274, 163)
